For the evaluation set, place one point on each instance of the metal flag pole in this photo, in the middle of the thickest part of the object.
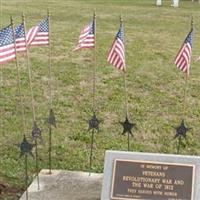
(126, 107)
(22, 108)
(184, 111)
(26, 148)
(184, 114)
(126, 99)
(1, 13)
(125, 94)
(94, 68)
(18, 82)
(186, 76)
(179, 144)
(36, 163)
(182, 129)
(127, 126)
(51, 119)
(124, 76)
(36, 131)
(50, 99)
(128, 138)
(94, 122)
(1, 74)
(26, 174)
(91, 151)
(50, 149)
(29, 71)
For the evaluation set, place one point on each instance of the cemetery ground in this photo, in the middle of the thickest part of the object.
(153, 36)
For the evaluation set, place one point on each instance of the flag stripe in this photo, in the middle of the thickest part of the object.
(31, 34)
(8, 54)
(8, 59)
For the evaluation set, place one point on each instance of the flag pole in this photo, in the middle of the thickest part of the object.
(50, 97)
(94, 69)
(50, 72)
(22, 106)
(126, 108)
(18, 81)
(186, 77)
(184, 110)
(32, 100)
(1, 71)
(125, 93)
(93, 94)
(179, 144)
(185, 95)
(26, 174)
(2, 80)
(125, 85)
(1, 13)
(29, 72)
(91, 151)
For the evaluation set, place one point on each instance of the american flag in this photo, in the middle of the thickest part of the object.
(87, 37)
(20, 38)
(41, 36)
(183, 58)
(116, 56)
(7, 47)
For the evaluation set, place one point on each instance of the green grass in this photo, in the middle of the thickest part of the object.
(155, 86)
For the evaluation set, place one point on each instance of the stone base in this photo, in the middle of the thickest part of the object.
(65, 185)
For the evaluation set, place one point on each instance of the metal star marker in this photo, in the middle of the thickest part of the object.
(127, 127)
(181, 130)
(26, 147)
(52, 119)
(93, 123)
(36, 132)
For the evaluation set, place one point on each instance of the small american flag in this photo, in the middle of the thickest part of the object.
(40, 34)
(116, 56)
(7, 47)
(87, 37)
(20, 38)
(183, 58)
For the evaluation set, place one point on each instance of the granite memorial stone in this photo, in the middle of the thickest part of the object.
(148, 176)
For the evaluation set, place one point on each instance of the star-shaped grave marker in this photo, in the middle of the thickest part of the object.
(26, 147)
(181, 130)
(127, 127)
(93, 123)
(52, 119)
(36, 133)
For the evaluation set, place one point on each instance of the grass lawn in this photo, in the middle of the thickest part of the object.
(155, 86)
